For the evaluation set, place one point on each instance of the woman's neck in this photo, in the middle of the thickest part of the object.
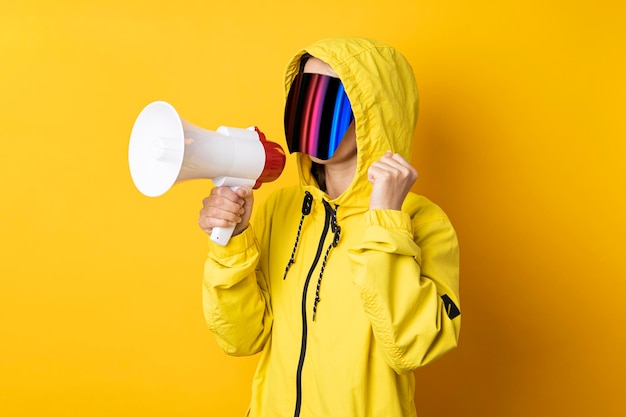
(339, 177)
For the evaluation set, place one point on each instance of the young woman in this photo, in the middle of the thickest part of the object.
(345, 282)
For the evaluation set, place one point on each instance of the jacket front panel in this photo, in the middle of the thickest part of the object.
(343, 371)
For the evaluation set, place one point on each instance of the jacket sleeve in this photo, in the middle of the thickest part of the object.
(408, 272)
(235, 296)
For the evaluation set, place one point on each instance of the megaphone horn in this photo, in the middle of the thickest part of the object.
(165, 149)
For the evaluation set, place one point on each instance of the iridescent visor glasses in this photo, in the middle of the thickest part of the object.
(317, 115)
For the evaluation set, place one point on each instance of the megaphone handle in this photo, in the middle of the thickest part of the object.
(222, 235)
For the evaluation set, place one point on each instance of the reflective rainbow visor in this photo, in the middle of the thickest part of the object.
(317, 115)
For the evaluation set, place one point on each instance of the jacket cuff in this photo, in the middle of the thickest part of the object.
(235, 251)
(389, 219)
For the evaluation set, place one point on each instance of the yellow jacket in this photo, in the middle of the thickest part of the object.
(383, 285)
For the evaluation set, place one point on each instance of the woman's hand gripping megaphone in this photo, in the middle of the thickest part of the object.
(226, 209)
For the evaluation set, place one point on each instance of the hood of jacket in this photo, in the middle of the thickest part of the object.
(380, 84)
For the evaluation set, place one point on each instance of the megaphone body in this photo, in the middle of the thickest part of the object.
(165, 149)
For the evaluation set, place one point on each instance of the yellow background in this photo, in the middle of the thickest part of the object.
(521, 141)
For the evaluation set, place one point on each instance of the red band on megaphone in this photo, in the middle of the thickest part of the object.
(274, 160)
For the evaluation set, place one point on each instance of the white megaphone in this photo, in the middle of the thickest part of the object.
(165, 149)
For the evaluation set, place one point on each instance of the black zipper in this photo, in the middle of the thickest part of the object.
(320, 248)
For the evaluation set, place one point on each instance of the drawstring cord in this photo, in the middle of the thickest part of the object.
(336, 229)
(306, 209)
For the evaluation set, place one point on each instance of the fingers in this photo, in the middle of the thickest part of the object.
(392, 167)
(211, 217)
(246, 196)
(392, 178)
(225, 198)
(225, 208)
